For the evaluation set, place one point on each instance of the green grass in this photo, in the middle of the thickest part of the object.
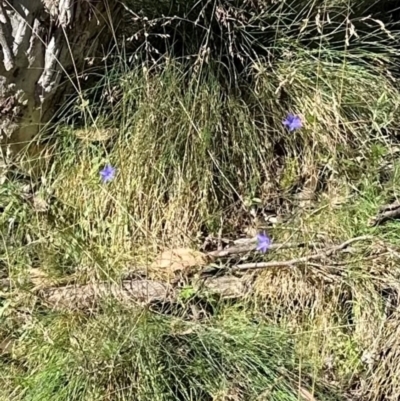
(139, 356)
(200, 150)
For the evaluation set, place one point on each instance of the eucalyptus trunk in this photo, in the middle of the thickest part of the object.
(45, 45)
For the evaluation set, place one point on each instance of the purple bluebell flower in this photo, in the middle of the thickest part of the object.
(263, 242)
(292, 122)
(108, 173)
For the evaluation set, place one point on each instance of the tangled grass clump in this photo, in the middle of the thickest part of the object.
(141, 356)
(193, 128)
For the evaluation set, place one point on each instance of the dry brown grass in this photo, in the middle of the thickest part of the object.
(196, 158)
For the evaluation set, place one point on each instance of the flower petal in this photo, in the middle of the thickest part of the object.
(292, 122)
(263, 242)
(107, 173)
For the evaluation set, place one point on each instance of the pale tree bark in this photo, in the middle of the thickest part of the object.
(44, 45)
(142, 292)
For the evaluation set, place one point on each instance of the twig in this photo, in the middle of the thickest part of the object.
(292, 262)
(250, 245)
(390, 206)
(386, 212)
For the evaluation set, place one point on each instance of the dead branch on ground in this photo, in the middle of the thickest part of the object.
(386, 212)
(292, 262)
(250, 245)
(146, 291)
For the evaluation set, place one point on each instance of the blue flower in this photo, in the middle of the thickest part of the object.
(108, 173)
(263, 243)
(292, 122)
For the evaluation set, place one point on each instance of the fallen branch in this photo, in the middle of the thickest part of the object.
(87, 296)
(251, 245)
(146, 291)
(142, 292)
(386, 212)
(289, 263)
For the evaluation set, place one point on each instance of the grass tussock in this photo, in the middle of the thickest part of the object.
(139, 356)
(187, 160)
(194, 130)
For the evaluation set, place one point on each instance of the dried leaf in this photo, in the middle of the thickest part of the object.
(180, 259)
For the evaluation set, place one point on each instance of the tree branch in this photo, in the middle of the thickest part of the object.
(250, 245)
(386, 212)
(289, 263)
(146, 291)
(141, 291)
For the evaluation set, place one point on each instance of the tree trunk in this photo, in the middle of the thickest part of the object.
(44, 44)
